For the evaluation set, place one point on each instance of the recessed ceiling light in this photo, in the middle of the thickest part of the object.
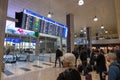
(102, 27)
(75, 35)
(106, 31)
(80, 2)
(81, 30)
(84, 28)
(84, 32)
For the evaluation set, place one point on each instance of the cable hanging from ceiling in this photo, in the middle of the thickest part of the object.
(102, 26)
(49, 15)
(95, 18)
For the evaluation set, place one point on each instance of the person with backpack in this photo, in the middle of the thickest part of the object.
(70, 73)
(59, 53)
(114, 67)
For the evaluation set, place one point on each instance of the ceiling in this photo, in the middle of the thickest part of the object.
(83, 15)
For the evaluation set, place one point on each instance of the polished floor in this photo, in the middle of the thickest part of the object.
(37, 70)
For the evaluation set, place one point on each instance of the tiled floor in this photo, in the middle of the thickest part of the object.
(37, 70)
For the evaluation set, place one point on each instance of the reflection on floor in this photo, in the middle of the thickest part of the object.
(37, 66)
(8, 73)
(46, 64)
(25, 69)
(37, 70)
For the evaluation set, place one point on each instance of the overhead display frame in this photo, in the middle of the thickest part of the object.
(33, 21)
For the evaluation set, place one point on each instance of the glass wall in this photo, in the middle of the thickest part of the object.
(47, 44)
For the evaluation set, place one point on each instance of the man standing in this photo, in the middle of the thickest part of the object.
(59, 53)
(100, 63)
(83, 58)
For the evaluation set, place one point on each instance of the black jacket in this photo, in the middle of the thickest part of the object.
(83, 55)
(59, 53)
(101, 63)
(69, 74)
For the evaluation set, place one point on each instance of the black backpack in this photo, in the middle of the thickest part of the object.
(61, 53)
(69, 74)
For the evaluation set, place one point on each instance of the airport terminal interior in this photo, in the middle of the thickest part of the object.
(31, 31)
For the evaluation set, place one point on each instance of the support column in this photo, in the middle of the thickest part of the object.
(45, 45)
(30, 42)
(37, 46)
(97, 38)
(3, 14)
(117, 8)
(88, 31)
(70, 35)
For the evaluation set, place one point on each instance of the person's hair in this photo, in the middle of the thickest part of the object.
(69, 58)
(112, 56)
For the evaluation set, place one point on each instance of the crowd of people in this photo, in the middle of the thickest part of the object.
(98, 60)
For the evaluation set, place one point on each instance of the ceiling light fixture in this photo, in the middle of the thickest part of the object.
(102, 27)
(84, 32)
(84, 28)
(106, 32)
(75, 35)
(95, 19)
(81, 2)
(49, 15)
(81, 30)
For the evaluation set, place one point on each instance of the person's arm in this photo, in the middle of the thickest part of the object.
(104, 74)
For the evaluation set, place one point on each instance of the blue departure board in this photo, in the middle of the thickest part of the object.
(44, 25)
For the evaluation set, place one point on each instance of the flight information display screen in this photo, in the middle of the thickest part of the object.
(32, 21)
